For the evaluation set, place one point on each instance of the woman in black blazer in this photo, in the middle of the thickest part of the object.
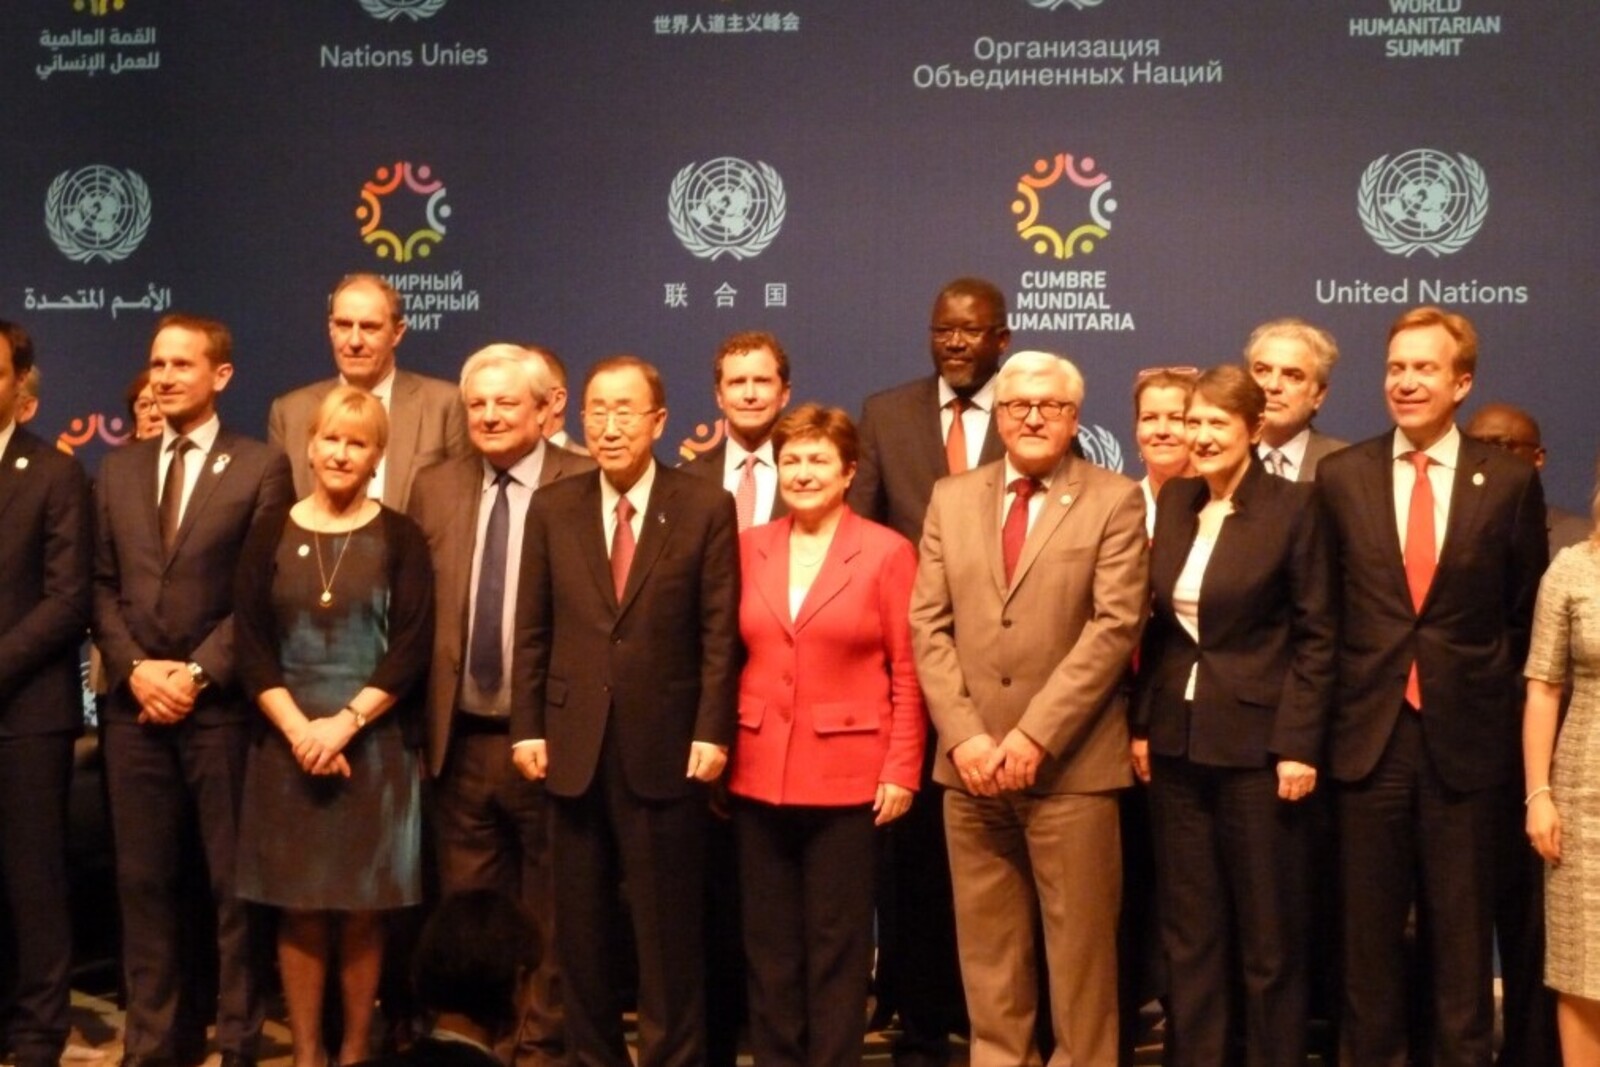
(1235, 676)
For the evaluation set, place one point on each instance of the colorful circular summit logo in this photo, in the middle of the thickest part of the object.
(418, 180)
(97, 212)
(389, 10)
(1100, 447)
(727, 207)
(1052, 5)
(1081, 237)
(1423, 200)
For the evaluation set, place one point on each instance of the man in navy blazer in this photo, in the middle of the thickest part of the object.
(1439, 544)
(45, 555)
(172, 515)
(624, 680)
(750, 381)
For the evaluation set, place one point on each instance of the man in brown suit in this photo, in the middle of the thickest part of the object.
(1028, 604)
(490, 820)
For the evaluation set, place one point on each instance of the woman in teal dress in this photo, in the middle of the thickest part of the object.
(333, 627)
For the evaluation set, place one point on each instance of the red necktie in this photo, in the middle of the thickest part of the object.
(622, 547)
(1421, 555)
(744, 498)
(955, 442)
(1015, 531)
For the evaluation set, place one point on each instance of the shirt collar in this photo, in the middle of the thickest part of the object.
(1012, 474)
(383, 390)
(1446, 451)
(638, 496)
(733, 457)
(1293, 450)
(6, 435)
(202, 436)
(524, 471)
(983, 399)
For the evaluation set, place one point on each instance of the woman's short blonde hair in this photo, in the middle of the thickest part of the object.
(357, 405)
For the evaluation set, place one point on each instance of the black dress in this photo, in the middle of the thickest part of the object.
(320, 842)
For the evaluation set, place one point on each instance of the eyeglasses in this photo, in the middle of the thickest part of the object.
(627, 419)
(1510, 444)
(141, 407)
(1049, 410)
(970, 334)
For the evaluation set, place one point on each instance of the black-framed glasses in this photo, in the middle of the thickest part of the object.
(1049, 410)
(627, 419)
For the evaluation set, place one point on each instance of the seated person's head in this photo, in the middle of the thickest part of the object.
(472, 958)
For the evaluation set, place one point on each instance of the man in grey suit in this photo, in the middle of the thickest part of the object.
(1292, 361)
(172, 515)
(911, 436)
(490, 820)
(426, 423)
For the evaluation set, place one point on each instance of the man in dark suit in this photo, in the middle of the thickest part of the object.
(1292, 361)
(1439, 544)
(624, 684)
(1516, 431)
(45, 555)
(426, 423)
(490, 821)
(555, 414)
(750, 380)
(911, 436)
(172, 514)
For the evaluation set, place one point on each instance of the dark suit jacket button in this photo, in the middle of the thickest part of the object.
(1005, 681)
(616, 640)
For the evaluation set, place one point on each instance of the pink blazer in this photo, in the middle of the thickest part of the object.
(828, 702)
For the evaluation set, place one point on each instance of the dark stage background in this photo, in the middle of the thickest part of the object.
(651, 175)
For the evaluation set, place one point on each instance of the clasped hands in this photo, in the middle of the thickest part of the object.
(318, 746)
(165, 690)
(988, 767)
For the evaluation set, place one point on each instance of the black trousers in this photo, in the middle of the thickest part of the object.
(1232, 871)
(805, 875)
(1407, 837)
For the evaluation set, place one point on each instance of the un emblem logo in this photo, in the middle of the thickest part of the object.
(1053, 5)
(726, 207)
(1423, 200)
(1100, 447)
(389, 10)
(97, 212)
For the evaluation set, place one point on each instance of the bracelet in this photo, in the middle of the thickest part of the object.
(1529, 798)
(361, 720)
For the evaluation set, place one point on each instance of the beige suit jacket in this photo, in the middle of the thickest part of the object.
(426, 424)
(1049, 653)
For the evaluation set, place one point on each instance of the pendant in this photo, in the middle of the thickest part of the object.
(326, 598)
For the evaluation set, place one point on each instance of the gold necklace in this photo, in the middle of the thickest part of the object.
(326, 599)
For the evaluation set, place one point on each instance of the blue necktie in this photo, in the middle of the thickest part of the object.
(485, 657)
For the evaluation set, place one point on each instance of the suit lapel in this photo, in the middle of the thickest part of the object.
(590, 527)
(1379, 486)
(654, 531)
(404, 427)
(992, 494)
(217, 464)
(1165, 566)
(836, 569)
(13, 469)
(468, 494)
(1062, 494)
(928, 427)
(1466, 497)
(772, 573)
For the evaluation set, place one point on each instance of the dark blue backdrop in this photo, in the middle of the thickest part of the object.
(1256, 152)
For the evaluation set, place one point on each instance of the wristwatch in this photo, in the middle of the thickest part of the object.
(198, 673)
(361, 720)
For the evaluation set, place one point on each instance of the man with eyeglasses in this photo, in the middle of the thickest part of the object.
(426, 420)
(625, 671)
(911, 436)
(1030, 596)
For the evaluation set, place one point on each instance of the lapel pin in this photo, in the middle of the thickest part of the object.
(221, 464)
(1066, 500)
(22, 463)
(305, 550)
(661, 517)
(1477, 479)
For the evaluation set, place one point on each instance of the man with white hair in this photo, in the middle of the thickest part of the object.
(1029, 600)
(1292, 361)
(490, 819)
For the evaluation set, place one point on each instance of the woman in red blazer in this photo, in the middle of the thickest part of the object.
(831, 731)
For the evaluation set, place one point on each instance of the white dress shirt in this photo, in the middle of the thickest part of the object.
(765, 473)
(638, 496)
(204, 439)
(1293, 452)
(1446, 456)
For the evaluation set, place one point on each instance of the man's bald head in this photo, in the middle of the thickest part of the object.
(1510, 428)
